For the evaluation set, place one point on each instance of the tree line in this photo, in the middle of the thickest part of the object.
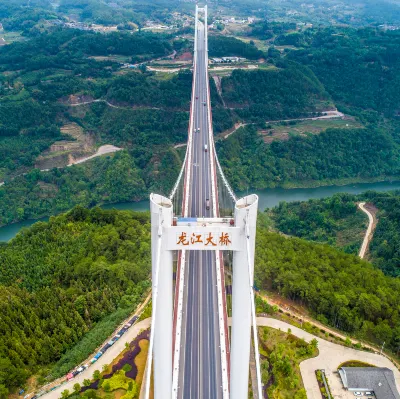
(273, 94)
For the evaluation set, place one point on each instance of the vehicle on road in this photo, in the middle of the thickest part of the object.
(207, 204)
(369, 393)
(358, 394)
(105, 347)
(205, 148)
(197, 98)
(132, 320)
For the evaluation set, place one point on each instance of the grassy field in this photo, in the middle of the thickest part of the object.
(283, 130)
(115, 58)
(260, 44)
(10, 37)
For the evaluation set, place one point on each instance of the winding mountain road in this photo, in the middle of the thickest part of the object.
(368, 233)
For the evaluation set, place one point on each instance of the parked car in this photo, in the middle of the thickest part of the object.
(358, 394)
(104, 348)
(133, 319)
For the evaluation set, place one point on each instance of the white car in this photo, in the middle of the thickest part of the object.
(358, 394)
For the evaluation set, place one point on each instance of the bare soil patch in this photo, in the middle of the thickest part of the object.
(63, 152)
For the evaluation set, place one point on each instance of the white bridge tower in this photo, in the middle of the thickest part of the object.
(217, 234)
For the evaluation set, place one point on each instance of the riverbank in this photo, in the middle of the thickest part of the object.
(268, 198)
(336, 182)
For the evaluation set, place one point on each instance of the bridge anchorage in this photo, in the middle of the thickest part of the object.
(191, 230)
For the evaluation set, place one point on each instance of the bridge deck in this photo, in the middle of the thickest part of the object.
(200, 356)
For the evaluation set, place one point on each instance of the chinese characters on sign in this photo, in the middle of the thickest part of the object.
(204, 239)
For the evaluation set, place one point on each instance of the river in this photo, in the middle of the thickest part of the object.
(268, 198)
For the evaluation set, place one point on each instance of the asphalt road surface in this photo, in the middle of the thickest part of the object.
(201, 375)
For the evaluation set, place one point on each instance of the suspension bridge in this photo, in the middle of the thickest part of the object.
(198, 231)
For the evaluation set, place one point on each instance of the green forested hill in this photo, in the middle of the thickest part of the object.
(40, 74)
(273, 94)
(359, 68)
(59, 279)
(339, 289)
(303, 161)
(337, 221)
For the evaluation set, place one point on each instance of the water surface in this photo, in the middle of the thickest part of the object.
(268, 198)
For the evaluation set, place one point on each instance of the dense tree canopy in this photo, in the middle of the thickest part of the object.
(359, 68)
(59, 279)
(339, 289)
(332, 155)
(225, 46)
(105, 179)
(140, 89)
(273, 94)
(337, 221)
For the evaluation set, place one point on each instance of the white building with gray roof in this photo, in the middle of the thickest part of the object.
(380, 380)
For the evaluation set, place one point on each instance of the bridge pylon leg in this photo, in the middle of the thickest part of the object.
(246, 218)
(161, 215)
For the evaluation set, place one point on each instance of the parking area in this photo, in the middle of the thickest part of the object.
(337, 389)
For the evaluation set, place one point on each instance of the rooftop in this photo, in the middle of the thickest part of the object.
(378, 379)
